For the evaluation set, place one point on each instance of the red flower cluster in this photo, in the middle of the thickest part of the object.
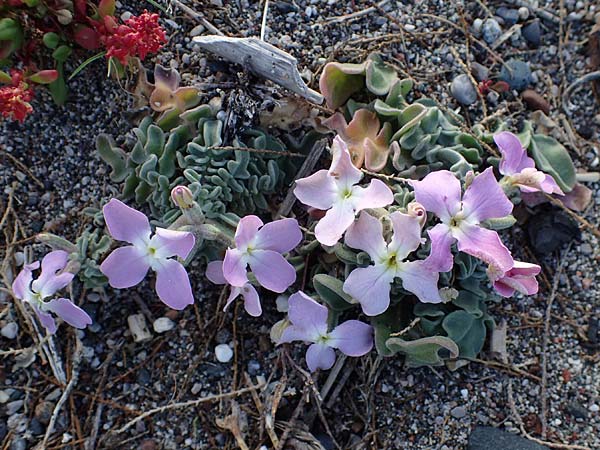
(138, 36)
(14, 99)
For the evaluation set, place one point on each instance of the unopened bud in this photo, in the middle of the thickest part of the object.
(416, 210)
(182, 197)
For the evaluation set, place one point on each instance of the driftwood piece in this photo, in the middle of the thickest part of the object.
(263, 59)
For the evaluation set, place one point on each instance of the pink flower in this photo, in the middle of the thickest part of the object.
(309, 324)
(46, 285)
(440, 193)
(127, 266)
(335, 190)
(371, 285)
(260, 247)
(519, 169)
(521, 278)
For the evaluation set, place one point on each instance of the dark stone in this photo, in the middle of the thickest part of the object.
(36, 226)
(36, 427)
(510, 16)
(285, 7)
(490, 438)
(593, 333)
(532, 32)
(143, 377)
(577, 410)
(535, 101)
(148, 444)
(549, 229)
(3, 430)
(18, 444)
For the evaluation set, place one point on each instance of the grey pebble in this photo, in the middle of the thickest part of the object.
(509, 15)
(463, 90)
(532, 32)
(458, 412)
(491, 31)
(13, 407)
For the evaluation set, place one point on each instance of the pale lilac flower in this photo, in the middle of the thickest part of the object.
(214, 272)
(309, 324)
(335, 190)
(521, 278)
(127, 266)
(440, 193)
(46, 285)
(371, 285)
(519, 169)
(261, 248)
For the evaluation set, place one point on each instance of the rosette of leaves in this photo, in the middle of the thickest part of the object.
(223, 179)
(411, 139)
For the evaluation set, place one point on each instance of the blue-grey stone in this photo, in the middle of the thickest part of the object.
(516, 73)
(490, 438)
(510, 16)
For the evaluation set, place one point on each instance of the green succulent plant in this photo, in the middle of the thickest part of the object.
(222, 179)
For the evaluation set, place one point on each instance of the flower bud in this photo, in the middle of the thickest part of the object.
(182, 197)
(416, 210)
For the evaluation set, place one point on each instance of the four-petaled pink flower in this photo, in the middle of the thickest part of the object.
(519, 169)
(46, 285)
(521, 278)
(127, 266)
(440, 193)
(261, 248)
(371, 285)
(335, 190)
(309, 324)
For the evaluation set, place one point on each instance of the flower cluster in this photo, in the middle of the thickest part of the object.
(137, 36)
(15, 98)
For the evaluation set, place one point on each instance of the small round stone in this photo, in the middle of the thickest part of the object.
(10, 330)
(163, 324)
(462, 90)
(224, 353)
(491, 31)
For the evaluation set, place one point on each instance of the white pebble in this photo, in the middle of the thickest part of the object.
(464, 393)
(10, 330)
(594, 408)
(523, 13)
(163, 324)
(224, 353)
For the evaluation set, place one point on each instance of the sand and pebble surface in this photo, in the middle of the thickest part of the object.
(51, 163)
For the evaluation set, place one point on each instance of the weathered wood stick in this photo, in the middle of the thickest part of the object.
(263, 59)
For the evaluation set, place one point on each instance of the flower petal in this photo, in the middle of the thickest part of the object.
(485, 245)
(124, 267)
(371, 287)
(251, 299)
(353, 338)
(549, 186)
(125, 223)
(319, 356)
(307, 315)
(439, 192)
(376, 195)
(336, 221)
(22, 284)
(318, 190)
(421, 281)
(280, 236)
(367, 234)
(521, 277)
(272, 270)
(46, 320)
(514, 156)
(246, 230)
(171, 242)
(234, 267)
(440, 256)
(69, 312)
(173, 285)
(407, 234)
(214, 272)
(485, 199)
(48, 282)
(342, 169)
